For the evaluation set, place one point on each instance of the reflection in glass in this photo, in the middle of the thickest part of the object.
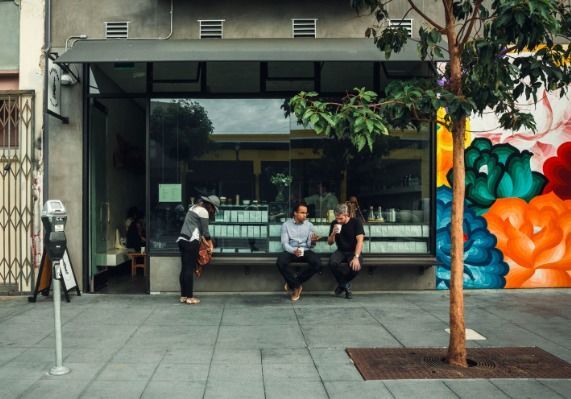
(260, 163)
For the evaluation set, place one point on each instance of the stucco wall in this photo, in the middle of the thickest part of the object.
(244, 19)
(9, 36)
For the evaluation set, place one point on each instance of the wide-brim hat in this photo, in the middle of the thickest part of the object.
(212, 199)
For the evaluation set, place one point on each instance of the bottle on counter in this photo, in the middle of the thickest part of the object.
(371, 215)
(380, 214)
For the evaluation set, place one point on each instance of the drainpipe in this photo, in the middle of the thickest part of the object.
(45, 129)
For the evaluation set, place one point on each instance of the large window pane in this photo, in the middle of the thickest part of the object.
(241, 149)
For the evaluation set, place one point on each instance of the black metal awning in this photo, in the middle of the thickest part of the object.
(125, 50)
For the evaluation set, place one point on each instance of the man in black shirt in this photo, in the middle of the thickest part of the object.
(345, 262)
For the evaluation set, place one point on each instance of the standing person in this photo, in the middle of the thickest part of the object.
(195, 227)
(297, 240)
(345, 262)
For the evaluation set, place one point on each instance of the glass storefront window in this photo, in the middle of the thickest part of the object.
(239, 149)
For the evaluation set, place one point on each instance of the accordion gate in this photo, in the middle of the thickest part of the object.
(16, 196)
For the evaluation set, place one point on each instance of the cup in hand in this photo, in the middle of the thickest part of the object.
(338, 228)
(300, 251)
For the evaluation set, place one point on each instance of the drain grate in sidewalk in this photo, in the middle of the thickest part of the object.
(430, 363)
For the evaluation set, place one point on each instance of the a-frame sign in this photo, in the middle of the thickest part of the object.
(44, 280)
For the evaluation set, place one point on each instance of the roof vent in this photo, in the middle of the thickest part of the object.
(404, 23)
(211, 28)
(304, 27)
(117, 30)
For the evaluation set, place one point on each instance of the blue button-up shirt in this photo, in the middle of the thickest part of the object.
(296, 235)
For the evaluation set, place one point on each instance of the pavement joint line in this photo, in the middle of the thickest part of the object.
(310, 354)
(451, 390)
(528, 330)
(153, 373)
(262, 368)
(549, 388)
(385, 328)
(214, 351)
(500, 389)
(90, 383)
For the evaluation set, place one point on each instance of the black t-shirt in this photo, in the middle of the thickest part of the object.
(347, 240)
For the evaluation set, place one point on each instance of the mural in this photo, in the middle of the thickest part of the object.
(517, 218)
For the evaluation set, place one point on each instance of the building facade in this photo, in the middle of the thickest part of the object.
(154, 105)
(21, 129)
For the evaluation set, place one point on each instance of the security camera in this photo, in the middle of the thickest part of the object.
(67, 80)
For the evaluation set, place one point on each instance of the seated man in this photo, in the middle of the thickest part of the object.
(297, 240)
(345, 262)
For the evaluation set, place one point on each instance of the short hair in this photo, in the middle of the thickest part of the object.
(298, 204)
(341, 209)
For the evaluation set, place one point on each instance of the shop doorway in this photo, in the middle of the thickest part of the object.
(117, 195)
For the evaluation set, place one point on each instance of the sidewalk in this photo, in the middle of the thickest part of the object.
(263, 346)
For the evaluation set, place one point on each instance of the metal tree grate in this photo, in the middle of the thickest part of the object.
(430, 363)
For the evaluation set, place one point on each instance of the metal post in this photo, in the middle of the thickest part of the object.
(59, 369)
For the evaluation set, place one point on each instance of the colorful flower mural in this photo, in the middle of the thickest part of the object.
(552, 115)
(535, 239)
(444, 149)
(557, 170)
(498, 171)
(484, 266)
(520, 183)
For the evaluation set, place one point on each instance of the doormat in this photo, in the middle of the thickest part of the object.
(430, 363)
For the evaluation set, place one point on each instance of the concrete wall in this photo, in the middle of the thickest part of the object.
(244, 19)
(164, 272)
(65, 170)
(9, 36)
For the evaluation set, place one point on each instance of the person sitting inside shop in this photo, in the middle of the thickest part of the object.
(297, 240)
(135, 234)
(346, 262)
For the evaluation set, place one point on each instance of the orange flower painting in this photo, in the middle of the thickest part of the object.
(444, 148)
(535, 239)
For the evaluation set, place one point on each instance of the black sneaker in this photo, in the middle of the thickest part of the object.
(339, 290)
(348, 293)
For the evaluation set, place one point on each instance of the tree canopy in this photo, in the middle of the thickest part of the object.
(497, 51)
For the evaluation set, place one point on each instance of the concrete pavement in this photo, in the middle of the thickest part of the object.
(263, 346)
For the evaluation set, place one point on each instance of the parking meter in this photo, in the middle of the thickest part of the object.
(54, 217)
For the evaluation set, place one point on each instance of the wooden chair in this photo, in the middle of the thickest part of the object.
(138, 260)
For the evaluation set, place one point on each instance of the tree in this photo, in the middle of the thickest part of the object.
(497, 51)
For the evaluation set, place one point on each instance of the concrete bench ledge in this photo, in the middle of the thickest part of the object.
(377, 261)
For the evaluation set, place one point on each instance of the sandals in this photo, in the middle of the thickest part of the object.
(189, 301)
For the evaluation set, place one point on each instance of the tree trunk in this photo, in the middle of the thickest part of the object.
(457, 345)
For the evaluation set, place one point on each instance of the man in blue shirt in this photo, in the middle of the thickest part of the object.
(297, 240)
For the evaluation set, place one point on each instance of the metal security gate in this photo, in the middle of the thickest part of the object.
(16, 196)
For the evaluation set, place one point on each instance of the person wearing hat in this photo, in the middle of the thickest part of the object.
(195, 227)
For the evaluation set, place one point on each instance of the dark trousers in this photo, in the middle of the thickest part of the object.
(293, 281)
(188, 256)
(339, 265)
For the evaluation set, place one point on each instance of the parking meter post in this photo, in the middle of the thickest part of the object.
(59, 368)
(54, 218)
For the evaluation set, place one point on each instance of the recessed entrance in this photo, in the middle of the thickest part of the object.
(117, 195)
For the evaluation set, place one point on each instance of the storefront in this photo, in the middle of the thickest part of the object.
(168, 121)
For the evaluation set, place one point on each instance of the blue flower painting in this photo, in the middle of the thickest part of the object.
(484, 265)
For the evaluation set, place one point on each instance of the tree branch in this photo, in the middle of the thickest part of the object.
(426, 18)
(464, 39)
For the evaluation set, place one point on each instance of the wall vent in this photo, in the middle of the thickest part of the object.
(405, 23)
(117, 30)
(211, 28)
(304, 27)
